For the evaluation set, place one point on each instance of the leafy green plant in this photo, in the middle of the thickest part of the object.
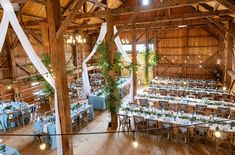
(151, 60)
(108, 70)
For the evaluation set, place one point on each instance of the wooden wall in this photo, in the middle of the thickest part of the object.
(189, 52)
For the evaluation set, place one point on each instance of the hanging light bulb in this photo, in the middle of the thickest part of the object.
(217, 132)
(42, 146)
(134, 142)
(9, 87)
(224, 88)
(84, 40)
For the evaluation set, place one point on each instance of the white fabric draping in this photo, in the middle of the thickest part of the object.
(9, 16)
(103, 31)
(86, 82)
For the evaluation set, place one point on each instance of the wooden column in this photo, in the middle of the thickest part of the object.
(59, 67)
(147, 57)
(112, 51)
(134, 59)
(228, 53)
(11, 50)
(45, 37)
(75, 58)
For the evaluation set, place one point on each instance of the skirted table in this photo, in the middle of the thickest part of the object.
(9, 151)
(97, 99)
(11, 110)
(46, 125)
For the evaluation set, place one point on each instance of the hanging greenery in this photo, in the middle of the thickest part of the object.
(113, 99)
(152, 58)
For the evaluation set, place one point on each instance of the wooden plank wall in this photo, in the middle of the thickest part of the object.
(187, 52)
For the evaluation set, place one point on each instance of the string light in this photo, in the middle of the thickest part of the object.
(134, 142)
(218, 61)
(224, 88)
(9, 87)
(217, 132)
(200, 66)
(42, 145)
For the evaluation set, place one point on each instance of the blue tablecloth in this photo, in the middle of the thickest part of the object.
(10, 107)
(47, 125)
(10, 151)
(98, 102)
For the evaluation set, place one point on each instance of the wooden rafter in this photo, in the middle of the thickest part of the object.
(69, 18)
(69, 7)
(130, 10)
(221, 26)
(230, 4)
(130, 20)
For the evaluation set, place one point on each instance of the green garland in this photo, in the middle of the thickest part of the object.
(111, 88)
(152, 57)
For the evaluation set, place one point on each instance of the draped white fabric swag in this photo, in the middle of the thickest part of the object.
(9, 16)
(103, 31)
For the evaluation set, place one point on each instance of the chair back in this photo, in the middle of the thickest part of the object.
(223, 112)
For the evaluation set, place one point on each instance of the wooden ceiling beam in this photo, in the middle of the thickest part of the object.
(154, 7)
(230, 4)
(221, 26)
(129, 21)
(19, 1)
(69, 18)
(69, 7)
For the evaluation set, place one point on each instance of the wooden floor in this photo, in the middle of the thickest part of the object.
(111, 144)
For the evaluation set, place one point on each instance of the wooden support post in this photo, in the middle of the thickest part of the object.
(147, 57)
(45, 38)
(9, 41)
(228, 53)
(59, 67)
(75, 56)
(112, 51)
(134, 59)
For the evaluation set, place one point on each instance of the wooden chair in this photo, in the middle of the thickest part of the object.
(200, 133)
(226, 139)
(152, 124)
(201, 109)
(143, 102)
(182, 107)
(83, 118)
(166, 130)
(124, 122)
(223, 112)
(14, 117)
(25, 115)
(183, 134)
(164, 105)
(139, 122)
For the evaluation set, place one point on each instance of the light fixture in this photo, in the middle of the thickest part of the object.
(9, 87)
(42, 145)
(224, 88)
(200, 61)
(217, 132)
(182, 26)
(218, 61)
(134, 142)
(145, 2)
(200, 66)
(185, 61)
(35, 83)
(184, 82)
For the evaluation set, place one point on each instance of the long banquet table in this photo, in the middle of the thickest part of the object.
(189, 101)
(178, 118)
(9, 151)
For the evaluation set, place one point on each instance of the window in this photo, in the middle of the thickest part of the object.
(145, 2)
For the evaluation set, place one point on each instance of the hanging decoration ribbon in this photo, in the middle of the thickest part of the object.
(9, 16)
(85, 77)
